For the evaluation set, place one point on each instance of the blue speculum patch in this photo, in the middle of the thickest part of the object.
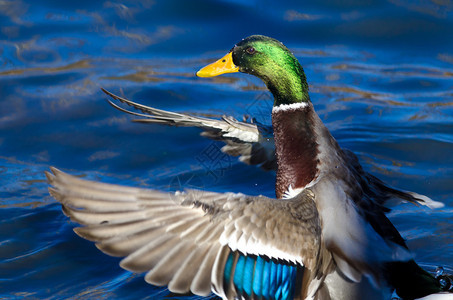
(383, 89)
(260, 277)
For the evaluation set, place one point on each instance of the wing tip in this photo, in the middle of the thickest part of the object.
(108, 93)
(55, 170)
(54, 193)
(84, 233)
(50, 177)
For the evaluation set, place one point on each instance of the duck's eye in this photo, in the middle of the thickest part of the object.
(250, 50)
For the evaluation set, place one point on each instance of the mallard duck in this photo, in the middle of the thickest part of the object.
(324, 236)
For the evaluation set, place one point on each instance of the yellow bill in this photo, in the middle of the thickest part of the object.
(222, 66)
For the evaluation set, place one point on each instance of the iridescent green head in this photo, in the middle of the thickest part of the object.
(269, 60)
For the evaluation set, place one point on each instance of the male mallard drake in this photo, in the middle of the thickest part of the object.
(325, 236)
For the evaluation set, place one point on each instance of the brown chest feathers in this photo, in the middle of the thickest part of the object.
(296, 146)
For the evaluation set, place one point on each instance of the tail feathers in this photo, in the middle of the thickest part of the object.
(394, 195)
(438, 296)
(381, 192)
(424, 200)
(412, 197)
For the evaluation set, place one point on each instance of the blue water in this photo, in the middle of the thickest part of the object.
(380, 74)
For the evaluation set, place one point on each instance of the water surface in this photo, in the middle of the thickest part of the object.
(380, 75)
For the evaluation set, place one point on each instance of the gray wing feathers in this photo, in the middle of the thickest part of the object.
(228, 126)
(153, 230)
(253, 145)
(177, 238)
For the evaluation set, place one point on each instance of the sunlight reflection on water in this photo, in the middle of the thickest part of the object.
(380, 74)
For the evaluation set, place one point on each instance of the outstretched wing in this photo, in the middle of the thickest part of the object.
(232, 244)
(252, 142)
